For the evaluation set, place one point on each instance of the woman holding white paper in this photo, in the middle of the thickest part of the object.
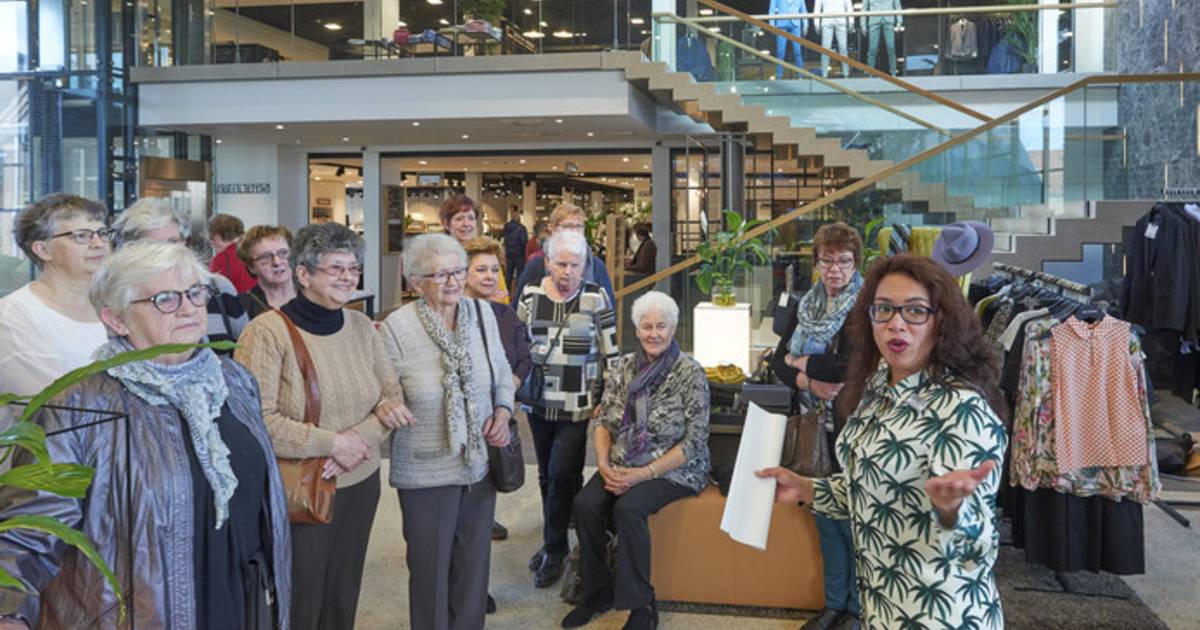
(919, 453)
(651, 449)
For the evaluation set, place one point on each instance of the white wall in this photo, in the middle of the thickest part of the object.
(247, 164)
(335, 192)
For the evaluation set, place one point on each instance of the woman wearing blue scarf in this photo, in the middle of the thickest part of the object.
(812, 356)
(651, 449)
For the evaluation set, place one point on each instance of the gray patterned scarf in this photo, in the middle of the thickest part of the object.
(458, 385)
(817, 325)
(196, 388)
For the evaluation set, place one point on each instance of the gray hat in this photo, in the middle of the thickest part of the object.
(962, 247)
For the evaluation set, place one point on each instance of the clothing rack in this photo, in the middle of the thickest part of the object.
(1042, 276)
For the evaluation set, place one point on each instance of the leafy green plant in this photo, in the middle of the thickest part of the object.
(1023, 33)
(67, 480)
(488, 10)
(870, 238)
(722, 257)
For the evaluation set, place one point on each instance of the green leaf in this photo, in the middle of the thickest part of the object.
(72, 537)
(28, 436)
(68, 480)
(733, 221)
(8, 581)
(704, 280)
(6, 399)
(74, 376)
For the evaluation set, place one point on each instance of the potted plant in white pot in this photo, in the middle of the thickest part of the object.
(721, 258)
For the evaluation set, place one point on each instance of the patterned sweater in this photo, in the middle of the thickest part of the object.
(678, 415)
(912, 571)
(576, 359)
(353, 374)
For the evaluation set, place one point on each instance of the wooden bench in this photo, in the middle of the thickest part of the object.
(694, 561)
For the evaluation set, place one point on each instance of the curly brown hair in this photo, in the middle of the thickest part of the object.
(960, 355)
(838, 235)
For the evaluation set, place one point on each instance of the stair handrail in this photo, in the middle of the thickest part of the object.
(866, 182)
(700, 30)
(997, 8)
(901, 83)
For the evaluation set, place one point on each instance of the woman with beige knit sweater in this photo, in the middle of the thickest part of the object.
(361, 403)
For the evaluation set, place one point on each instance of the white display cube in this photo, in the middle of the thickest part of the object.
(721, 335)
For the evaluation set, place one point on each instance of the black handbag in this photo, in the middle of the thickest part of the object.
(506, 464)
(531, 391)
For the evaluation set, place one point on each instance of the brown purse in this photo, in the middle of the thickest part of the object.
(309, 493)
(805, 449)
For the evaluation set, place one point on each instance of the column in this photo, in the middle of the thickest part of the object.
(529, 191)
(373, 228)
(660, 217)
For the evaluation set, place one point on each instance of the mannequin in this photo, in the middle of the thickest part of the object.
(796, 27)
(882, 26)
(830, 26)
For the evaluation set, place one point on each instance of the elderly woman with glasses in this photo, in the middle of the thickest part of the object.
(566, 217)
(265, 250)
(48, 327)
(812, 356)
(920, 453)
(573, 328)
(157, 219)
(203, 532)
(361, 403)
(447, 351)
(651, 449)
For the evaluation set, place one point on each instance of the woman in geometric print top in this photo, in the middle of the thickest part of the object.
(920, 453)
(574, 338)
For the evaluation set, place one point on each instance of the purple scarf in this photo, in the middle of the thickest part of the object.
(648, 377)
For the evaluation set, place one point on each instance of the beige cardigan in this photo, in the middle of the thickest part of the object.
(354, 375)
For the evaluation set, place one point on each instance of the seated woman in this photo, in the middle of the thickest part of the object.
(651, 449)
(206, 536)
(919, 453)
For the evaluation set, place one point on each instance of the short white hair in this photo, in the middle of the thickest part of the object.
(655, 301)
(420, 252)
(146, 214)
(568, 241)
(126, 271)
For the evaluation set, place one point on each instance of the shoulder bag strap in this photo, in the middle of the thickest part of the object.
(487, 353)
(312, 390)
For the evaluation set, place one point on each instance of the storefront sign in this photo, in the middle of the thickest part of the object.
(243, 189)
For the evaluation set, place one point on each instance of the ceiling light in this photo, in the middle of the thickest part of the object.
(558, 120)
(637, 21)
(345, 138)
(521, 161)
(714, 29)
(401, 24)
(543, 24)
(591, 134)
(625, 159)
(645, 167)
(534, 34)
(466, 136)
(434, 2)
(765, 51)
(317, 178)
(279, 127)
(218, 141)
(554, 168)
(563, 34)
(706, 11)
(444, 22)
(528, 11)
(422, 162)
(333, 26)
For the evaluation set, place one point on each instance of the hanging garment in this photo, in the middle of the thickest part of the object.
(1066, 533)
(883, 26)
(691, 55)
(1158, 283)
(797, 27)
(963, 41)
(830, 27)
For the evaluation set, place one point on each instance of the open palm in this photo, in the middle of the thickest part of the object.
(947, 491)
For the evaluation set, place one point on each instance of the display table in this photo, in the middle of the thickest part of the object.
(694, 561)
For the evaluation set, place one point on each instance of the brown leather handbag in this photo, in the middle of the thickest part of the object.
(805, 449)
(309, 493)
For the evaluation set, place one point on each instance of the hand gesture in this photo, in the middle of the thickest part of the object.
(947, 492)
(789, 486)
(393, 414)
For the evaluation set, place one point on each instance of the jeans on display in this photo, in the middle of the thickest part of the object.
(828, 27)
(781, 46)
(561, 448)
(884, 27)
(837, 551)
(630, 513)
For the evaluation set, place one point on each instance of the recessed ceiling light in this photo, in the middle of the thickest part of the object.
(522, 160)
(543, 24)
(444, 22)
(279, 127)
(554, 168)
(434, 2)
(558, 120)
(528, 11)
(218, 141)
(645, 167)
(422, 162)
(563, 34)
(714, 29)
(345, 138)
(401, 24)
(706, 11)
(317, 178)
(466, 136)
(333, 26)
(637, 21)
(416, 123)
(625, 159)
(591, 134)
(534, 34)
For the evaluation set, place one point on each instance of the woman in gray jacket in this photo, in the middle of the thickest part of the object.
(457, 383)
(200, 540)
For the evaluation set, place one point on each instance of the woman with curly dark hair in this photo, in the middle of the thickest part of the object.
(919, 453)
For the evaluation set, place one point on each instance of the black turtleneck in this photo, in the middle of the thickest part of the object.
(313, 318)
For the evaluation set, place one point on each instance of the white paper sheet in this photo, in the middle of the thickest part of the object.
(747, 517)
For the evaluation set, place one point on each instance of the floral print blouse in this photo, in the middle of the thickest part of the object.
(1033, 464)
(913, 572)
(678, 414)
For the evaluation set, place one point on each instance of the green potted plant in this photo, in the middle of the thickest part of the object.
(722, 257)
(68, 480)
(1023, 36)
(490, 11)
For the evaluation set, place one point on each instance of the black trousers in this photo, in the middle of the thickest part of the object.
(561, 448)
(595, 507)
(327, 560)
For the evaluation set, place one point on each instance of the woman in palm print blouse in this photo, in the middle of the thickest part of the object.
(920, 453)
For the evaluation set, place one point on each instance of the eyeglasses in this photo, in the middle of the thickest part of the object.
(845, 264)
(267, 257)
(168, 302)
(883, 312)
(338, 271)
(442, 276)
(85, 236)
(571, 225)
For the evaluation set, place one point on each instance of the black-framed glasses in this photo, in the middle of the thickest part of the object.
(916, 314)
(83, 236)
(846, 264)
(168, 302)
(267, 257)
(442, 276)
(338, 271)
